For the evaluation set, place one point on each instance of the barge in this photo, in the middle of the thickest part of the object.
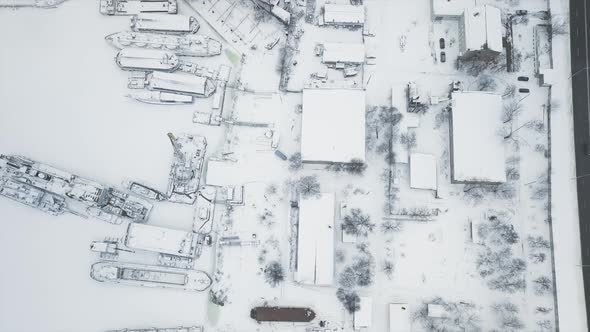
(282, 314)
(161, 240)
(34, 197)
(160, 98)
(144, 191)
(164, 329)
(183, 45)
(150, 276)
(174, 24)
(145, 59)
(180, 83)
(133, 7)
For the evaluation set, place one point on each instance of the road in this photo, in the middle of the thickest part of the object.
(580, 41)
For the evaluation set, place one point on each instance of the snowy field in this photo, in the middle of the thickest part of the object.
(62, 103)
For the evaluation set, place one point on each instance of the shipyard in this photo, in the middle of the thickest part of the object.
(292, 166)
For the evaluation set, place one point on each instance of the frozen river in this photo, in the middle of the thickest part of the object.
(61, 102)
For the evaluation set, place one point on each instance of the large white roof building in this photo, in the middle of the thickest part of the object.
(315, 241)
(482, 28)
(344, 53)
(344, 14)
(333, 125)
(477, 147)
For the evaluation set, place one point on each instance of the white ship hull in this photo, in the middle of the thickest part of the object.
(174, 24)
(144, 59)
(186, 45)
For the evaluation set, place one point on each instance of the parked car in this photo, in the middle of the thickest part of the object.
(281, 155)
(521, 12)
(524, 90)
(441, 43)
(523, 78)
(443, 57)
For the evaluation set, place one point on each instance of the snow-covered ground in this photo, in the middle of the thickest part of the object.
(61, 102)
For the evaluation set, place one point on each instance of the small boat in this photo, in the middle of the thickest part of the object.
(160, 97)
(144, 191)
(177, 24)
(133, 7)
(183, 45)
(145, 59)
(150, 276)
(180, 83)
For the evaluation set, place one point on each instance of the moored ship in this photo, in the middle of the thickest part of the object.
(133, 7)
(82, 196)
(32, 196)
(144, 191)
(164, 329)
(160, 97)
(145, 59)
(45, 4)
(180, 83)
(150, 276)
(184, 45)
(175, 24)
(186, 169)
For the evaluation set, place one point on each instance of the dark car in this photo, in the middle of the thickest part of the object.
(521, 12)
(523, 90)
(523, 78)
(441, 43)
(281, 155)
(443, 57)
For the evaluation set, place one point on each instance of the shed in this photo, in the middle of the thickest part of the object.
(344, 14)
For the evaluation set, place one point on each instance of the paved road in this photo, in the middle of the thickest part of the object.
(580, 42)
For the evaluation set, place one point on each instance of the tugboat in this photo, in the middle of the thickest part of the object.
(160, 97)
(180, 83)
(144, 191)
(144, 59)
(132, 7)
(150, 276)
(185, 45)
(174, 24)
(187, 165)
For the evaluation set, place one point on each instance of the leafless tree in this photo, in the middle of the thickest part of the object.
(408, 139)
(460, 316)
(545, 325)
(543, 310)
(349, 299)
(357, 223)
(543, 285)
(511, 110)
(507, 315)
(391, 226)
(486, 83)
(538, 242)
(559, 27)
(309, 186)
(388, 268)
(295, 162)
(538, 257)
(274, 274)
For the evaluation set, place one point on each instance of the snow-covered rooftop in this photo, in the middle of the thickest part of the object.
(159, 239)
(344, 52)
(441, 8)
(344, 14)
(364, 316)
(399, 318)
(477, 149)
(333, 125)
(483, 28)
(315, 241)
(423, 171)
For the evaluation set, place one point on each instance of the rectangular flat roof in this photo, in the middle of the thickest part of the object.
(333, 125)
(152, 21)
(344, 13)
(364, 316)
(423, 171)
(483, 28)
(399, 318)
(315, 241)
(477, 147)
(344, 52)
(159, 239)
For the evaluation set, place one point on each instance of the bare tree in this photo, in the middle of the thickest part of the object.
(459, 317)
(356, 166)
(391, 226)
(507, 315)
(388, 268)
(357, 223)
(543, 285)
(538, 257)
(511, 110)
(408, 139)
(545, 325)
(543, 310)
(274, 274)
(295, 162)
(309, 186)
(559, 27)
(510, 91)
(538, 242)
(486, 83)
(349, 299)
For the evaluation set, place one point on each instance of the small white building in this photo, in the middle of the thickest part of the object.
(363, 317)
(160, 239)
(333, 125)
(315, 241)
(482, 32)
(423, 171)
(399, 318)
(449, 9)
(344, 15)
(477, 147)
(347, 53)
